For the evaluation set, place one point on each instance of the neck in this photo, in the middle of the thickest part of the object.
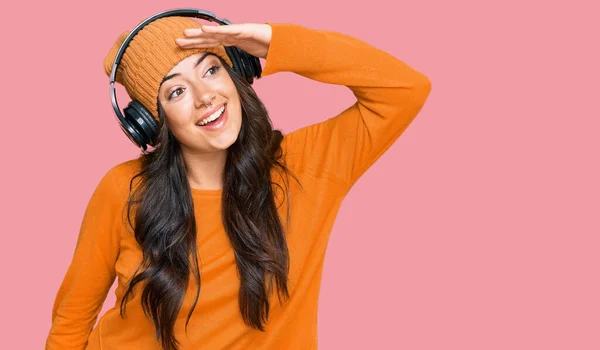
(205, 170)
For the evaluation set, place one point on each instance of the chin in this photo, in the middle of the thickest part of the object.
(222, 141)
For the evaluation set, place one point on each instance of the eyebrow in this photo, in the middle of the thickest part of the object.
(195, 65)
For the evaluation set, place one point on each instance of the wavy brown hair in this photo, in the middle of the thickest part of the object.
(165, 225)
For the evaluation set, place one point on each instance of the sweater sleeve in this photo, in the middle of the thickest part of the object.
(389, 95)
(91, 272)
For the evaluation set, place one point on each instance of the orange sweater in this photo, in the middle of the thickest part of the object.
(327, 157)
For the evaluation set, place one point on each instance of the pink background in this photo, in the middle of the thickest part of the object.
(478, 229)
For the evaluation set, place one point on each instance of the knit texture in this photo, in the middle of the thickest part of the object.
(150, 55)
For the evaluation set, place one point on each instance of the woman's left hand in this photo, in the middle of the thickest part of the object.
(254, 38)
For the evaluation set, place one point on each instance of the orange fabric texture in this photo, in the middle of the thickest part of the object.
(150, 56)
(328, 158)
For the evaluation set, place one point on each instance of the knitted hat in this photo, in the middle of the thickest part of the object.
(150, 55)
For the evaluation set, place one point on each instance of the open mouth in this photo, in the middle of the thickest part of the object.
(216, 121)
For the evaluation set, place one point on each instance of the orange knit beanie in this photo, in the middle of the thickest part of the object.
(150, 55)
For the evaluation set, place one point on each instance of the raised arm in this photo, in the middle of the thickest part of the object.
(389, 95)
(91, 272)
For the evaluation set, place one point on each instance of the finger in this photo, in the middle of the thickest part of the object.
(193, 32)
(222, 29)
(205, 42)
(197, 33)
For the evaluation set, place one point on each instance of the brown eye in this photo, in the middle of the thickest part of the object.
(214, 69)
(171, 95)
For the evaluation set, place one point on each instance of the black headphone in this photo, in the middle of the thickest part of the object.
(137, 122)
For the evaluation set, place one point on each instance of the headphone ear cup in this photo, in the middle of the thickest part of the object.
(142, 121)
(251, 65)
(132, 133)
(246, 65)
(232, 52)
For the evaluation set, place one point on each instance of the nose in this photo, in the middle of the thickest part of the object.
(204, 95)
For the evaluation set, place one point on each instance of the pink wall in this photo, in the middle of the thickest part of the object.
(479, 229)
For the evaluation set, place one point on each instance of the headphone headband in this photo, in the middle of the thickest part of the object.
(137, 122)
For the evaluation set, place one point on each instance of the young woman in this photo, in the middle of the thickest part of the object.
(218, 235)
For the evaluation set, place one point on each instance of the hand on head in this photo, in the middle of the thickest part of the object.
(254, 38)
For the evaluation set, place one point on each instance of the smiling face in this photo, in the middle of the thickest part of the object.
(186, 94)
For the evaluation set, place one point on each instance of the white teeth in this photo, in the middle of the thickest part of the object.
(213, 116)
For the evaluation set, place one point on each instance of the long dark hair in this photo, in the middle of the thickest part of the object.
(165, 226)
